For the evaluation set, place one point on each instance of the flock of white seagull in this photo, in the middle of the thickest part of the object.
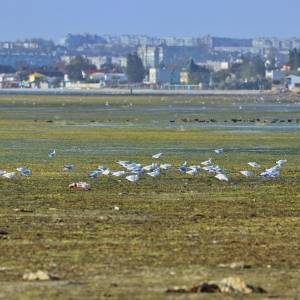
(133, 170)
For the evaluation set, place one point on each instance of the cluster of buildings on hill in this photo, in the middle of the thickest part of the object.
(163, 58)
(40, 52)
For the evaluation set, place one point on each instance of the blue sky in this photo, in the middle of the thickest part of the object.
(233, 18)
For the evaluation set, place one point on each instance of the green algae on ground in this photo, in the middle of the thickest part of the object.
(168, 232)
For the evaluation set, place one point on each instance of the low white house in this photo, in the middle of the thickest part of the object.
(108, 77)
(9, 80)
(293, 82)
(216, 65)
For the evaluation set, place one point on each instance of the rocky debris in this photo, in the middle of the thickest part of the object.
(39, 276)
(230, 285)
(3, 234)
(80, 185)
(235, 265)
(23, 210)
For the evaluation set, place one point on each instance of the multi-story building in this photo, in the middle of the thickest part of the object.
(163, 76)
(119, 61)
(16, 59)
(151, 56)
(99, 61)
(215, 65)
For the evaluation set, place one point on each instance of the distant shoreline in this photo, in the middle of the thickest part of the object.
(135, 92)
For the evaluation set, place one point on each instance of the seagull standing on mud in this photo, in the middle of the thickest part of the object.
(157, 156)
(68, 168)
(222, 177)
(155, 173)
(274, 172)
(246, 173)
(133, 178)
(193, 170)
(254, 165)
(219, 151)
(24, 171)
(166, 167)
(207, 162)
(10, 175)
(52, 153)
(2, 172)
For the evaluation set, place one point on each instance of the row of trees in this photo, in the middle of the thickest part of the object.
(250, 69)
(294, 59)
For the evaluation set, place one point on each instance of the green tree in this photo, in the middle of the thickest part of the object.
(220, 77)
(198, 74)
(7, 69)
(294, 59)
(135, 70)
(77, 66)
(251, 69)
(192, 67)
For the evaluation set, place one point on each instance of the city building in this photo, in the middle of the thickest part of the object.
(150, 55)
(16, 59)
(275, 75)
(119, 61)
(99, 61)
(163, 76)
(9, 81)
(215, 65)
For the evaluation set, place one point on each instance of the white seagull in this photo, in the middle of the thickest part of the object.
(222, 177)
(133, 178)
(124, 163)
(68, 168)
(207, 162)
(155, 173)
(150, 168)
(157, 156)
(254, 165)
(52, 153)
(273, 174)
(24, 171)
(106, 172)
(166, 167)
(10, 175)
(219, 151)
(281, 162)
(118, 173)
(95, 174)
(246, 173)
(2, 172)
(193, 170)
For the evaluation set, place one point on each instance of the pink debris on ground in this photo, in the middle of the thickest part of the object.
(80, 185)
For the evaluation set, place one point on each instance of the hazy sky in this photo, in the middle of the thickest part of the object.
(233, 18)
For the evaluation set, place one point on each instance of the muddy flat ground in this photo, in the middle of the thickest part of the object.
(174, 230)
